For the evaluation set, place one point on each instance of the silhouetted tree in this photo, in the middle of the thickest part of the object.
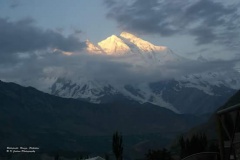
(182, 146)
(213, 147)
(106, 156)
(56, 157)
(117, 146)
(197, 143)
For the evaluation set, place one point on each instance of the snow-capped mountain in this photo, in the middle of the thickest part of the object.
(114, 46)
(127, 44)
(193, 93)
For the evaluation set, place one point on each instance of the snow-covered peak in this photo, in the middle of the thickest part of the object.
(143, 45)
(128, 35)
(113, 45)
(91, 48)
(128, 43)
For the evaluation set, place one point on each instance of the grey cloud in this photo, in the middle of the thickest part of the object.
(125, 71)
(23, 36)
(14, 4)
(208, 21)
(211, 12)
(140, 16)
(120, 70)
(203, 35)
(77, 31)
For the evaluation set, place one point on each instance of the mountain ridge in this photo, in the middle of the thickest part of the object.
(177, 94)
(141, 44)
(67, 122)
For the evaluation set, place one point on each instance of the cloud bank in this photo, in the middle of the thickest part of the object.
(23, 37)
(208, 21)
(42, 72)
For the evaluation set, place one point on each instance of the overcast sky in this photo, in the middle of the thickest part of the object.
(190, 28)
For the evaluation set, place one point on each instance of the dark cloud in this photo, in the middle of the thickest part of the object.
(14, 4)
(140, 16)
(22, 36)
(203, 35)
(209, 11)
(207, 20)
(77, 31)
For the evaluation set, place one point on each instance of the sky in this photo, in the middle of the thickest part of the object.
(191, 28)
